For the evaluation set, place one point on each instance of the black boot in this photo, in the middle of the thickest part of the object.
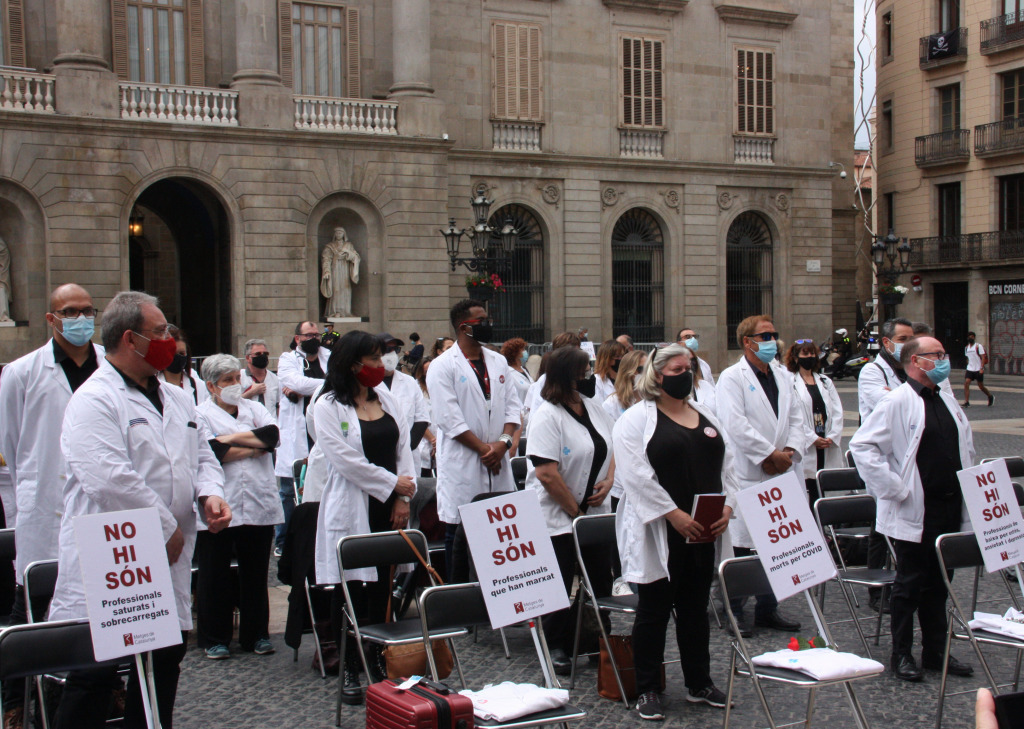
(378, 665)
(351, 691)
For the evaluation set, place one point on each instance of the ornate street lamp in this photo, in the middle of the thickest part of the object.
(891, 257)
(135, 223)
(486, 257)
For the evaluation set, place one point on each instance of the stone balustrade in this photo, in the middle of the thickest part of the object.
(753, 150)
(23, 91)
(642, 143)
(515, 136)
(183, 104)
(352, 116)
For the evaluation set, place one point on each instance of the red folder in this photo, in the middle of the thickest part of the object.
(707, 509)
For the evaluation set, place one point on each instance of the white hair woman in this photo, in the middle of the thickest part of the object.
(667, 450)
(243, 435)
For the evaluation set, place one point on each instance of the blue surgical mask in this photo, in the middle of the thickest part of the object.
(524, 356)
(766, 351)
(897, 349)
(693, 343)
(939, 372)
(78, 331)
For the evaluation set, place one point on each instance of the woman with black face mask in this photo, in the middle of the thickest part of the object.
(571, 466)
(179, 371)
(669, 449)
(606, 367)
(822, 410)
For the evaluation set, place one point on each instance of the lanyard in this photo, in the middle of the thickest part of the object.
(484, 378)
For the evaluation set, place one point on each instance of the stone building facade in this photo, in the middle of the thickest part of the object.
(665, 162)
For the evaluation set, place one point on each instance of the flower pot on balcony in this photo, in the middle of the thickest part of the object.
(480, 293)
(892, 299)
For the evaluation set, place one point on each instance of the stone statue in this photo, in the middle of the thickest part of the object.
(5, 281)
(339, 264)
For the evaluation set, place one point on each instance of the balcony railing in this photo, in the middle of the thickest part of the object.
(941, 49)
(974, 249)
(1002, 137)
(515, 136)
(181, 104)
(943, 148)
(351, 116)
(23, 91)
(642, 143)
(1002, 33)
(753, 150)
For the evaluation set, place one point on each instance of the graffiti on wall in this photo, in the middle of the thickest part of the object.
(1006, 348)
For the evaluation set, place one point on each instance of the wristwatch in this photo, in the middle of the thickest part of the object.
(507, 440)
(406, 499)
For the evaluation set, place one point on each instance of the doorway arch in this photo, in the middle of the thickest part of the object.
(749, 288)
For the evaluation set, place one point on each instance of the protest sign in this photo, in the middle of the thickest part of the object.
(127, 579)
(515, 562)
(995, 514)
(588, 347)
(788, 541)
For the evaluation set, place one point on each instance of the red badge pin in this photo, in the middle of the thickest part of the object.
(710, 432)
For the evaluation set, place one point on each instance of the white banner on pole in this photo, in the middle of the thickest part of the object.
(128, 589)
(788, 541)
(994, 512)
(588, 347)
(515, 562)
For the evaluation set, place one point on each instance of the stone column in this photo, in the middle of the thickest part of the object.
(420, 114)
(85, 84)
(262, 101)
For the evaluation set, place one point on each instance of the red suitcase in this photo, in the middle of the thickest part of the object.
(427, 705)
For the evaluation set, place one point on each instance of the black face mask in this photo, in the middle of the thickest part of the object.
(177, 364)
(481, 332)
(260, 361)
(310, 346)
(615, 367)
(806, 363)
(677, 387)
(587, 387)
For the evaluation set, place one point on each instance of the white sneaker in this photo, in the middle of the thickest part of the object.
(620, 588)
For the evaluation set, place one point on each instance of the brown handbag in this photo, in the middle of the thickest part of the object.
(622, 649)
(410, 659)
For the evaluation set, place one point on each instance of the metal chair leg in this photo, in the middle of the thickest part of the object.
(810, 707)
(504, 644)
(576, 644)
(611, 653)
(945, 673)
(729, 687)
(853, 616)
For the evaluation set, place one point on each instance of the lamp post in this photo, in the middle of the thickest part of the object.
(891, 257)
(487, 258)
(135, 223)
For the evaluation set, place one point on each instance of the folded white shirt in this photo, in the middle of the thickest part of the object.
(823, 664)
(1010, 625)
(506, 701)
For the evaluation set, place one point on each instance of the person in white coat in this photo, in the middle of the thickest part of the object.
(606, 367)
(370, 482)
(179, 372)
(690, 339)
(757, 408)
(668, 449)
(133, 442)
(34, 392)
(259, 382)
(822, 411)
(474, 404)
(885, 373)
(533, 398)
(300, 372)
(625, 395)
(243, 436)
(571, 467)
(405, 390)
(908, 452)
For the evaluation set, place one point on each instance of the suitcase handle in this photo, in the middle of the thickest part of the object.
(436, 687)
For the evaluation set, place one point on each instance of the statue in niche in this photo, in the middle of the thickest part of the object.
(5, 281)
(339, 265)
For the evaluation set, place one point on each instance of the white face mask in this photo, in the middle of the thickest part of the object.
(231, 395)
(390, 361)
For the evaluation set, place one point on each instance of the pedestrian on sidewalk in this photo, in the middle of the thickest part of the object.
(977, 360)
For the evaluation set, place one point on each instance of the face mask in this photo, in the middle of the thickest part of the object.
(231, 395)
(615, 367)
(766, 351)
(78, 331)
(310, 346)
(390, 361)
(587, 387)
(677, 387)
(939, 372)
(693, 343)
(160, 353)
(177, 364)
(260, 361)
(897, 349)
(524, 356)
(370, 376)
(481, 332)
(806, 363)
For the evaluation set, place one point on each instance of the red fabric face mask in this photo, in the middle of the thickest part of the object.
(160, 353)
(370, 376)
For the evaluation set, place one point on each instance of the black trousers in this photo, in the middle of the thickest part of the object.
(370, 604)
(766, 604)
(690, 568)
(85, 702)
(919, 587)
(560, 626)
(215, 596)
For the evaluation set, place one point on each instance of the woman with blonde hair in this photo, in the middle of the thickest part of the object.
(609, 358)
(625, 395)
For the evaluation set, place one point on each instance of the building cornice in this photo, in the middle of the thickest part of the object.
(753, 12)
(665, 7)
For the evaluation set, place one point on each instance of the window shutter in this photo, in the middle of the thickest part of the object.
(284, 41)
(535, 109)
(119, 28)
(352, 31)
(499, 76)
(656, 89)
(16, 32)
(196, 51)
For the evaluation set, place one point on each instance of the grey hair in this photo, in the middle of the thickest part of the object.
(648, 387)
(122, 314)
(217, 365)
(889, 327)
(252, 343)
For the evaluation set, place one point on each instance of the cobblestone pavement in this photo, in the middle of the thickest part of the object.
(274, 691)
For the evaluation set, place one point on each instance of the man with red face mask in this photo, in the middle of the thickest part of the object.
(132, 442)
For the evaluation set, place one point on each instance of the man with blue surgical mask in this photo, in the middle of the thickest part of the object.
(885, 373)
(34, 393)
(908, 452)
(691, 340)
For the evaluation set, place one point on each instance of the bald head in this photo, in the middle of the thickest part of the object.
(919, 356)
(67, 294)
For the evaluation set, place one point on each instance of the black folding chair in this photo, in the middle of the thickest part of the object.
(8, 554)
(522, 446)
(961, 551)
(447, 608)
(745, 577)
(519, 472)
(40, 580)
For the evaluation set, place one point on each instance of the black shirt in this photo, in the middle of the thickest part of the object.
(768, 384)
(901, 374)
(380, 446)
(600, 451)
(938, 455)
(151, 390)
(314, 370)
(820, 415)
(76, 375)
(686, 461)
(479, 367)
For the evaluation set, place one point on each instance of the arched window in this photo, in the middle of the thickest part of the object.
(748, 272)
(638, 277)
(519, 310)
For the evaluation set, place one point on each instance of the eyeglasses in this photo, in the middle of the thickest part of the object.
(765, 336)
(803, 341)
(939, 356)
(67, 313)
(160, 332)
(310, 335)
(395, 349)
(487, 320)
(684, 337)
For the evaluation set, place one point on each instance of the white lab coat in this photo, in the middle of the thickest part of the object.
(7, 496)
(272, 397)
(533, 400)
(834, 423)
(754, 430)
(885, 450)
(640, 526)
(351, 481)
(522, 381)
(34, 393)
(612, 407)
(291, 419)
(315, 479)
(122, 454)
(877, 379)
(705, 371)
(557, 436)
(192, 385)
(409, 396)
(704, 393)
(458, 404)
(604, 387)
(250, 487)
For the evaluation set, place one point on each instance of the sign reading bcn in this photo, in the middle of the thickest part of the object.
(127, 580)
